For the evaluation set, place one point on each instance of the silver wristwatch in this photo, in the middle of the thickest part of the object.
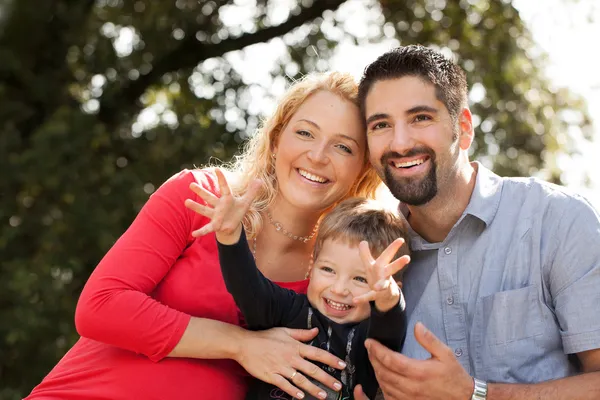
(480, 390)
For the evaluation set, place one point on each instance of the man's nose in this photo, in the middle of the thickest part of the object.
(402, 141)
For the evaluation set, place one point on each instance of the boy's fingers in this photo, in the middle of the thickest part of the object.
(251, 193)
(206, 229)
(223, 185)
(364, 298)
(396, 266)
(390, 251)
(365, 254)
(204, 194)
(199, 208)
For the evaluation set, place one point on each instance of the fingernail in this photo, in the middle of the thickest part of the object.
(342, 364)
(322, 395)
(300, 395)
(368, 345)
(337, 386)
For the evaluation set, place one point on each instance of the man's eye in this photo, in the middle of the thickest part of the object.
(380, 125)
(422, 117)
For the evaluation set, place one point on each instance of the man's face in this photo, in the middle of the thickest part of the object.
(413, 141)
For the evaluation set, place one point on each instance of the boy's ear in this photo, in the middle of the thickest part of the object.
(310, 267)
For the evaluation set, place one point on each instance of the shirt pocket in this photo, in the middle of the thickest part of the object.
(512, 315)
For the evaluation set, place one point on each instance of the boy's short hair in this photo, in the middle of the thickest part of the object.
(357, 219)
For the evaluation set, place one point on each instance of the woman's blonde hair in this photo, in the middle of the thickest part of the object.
(256, 161)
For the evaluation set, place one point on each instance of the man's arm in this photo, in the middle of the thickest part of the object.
(442, 377)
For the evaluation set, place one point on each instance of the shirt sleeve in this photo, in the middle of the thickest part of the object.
(116, 306)
(574, 275)
(263, 303)
(388, 328)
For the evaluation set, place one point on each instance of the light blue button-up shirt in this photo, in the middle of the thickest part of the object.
(515, 286)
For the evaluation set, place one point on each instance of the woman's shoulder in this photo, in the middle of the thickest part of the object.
(181, 181)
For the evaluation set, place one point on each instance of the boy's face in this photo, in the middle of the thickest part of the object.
(337, 276)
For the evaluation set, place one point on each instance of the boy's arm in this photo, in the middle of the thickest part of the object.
(263, 303)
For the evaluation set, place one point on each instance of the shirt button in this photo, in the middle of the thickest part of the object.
(450, 300)
(458, 352)
(448, 250)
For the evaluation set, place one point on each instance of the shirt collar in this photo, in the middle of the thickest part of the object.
(485, 198)
(487, 192)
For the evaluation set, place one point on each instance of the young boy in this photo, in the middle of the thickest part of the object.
(343, 279)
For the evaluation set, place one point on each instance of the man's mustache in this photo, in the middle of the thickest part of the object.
(416, 151)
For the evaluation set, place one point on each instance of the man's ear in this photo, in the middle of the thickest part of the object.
(465, 124)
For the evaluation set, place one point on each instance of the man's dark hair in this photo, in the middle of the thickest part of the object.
(448, 78)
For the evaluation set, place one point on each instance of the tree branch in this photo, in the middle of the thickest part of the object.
(191, 52)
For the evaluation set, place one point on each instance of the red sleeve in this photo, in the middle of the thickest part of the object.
(115, 306)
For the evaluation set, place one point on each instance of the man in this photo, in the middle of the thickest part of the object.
(505, 273)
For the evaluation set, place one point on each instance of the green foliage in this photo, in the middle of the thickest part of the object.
(91, 122)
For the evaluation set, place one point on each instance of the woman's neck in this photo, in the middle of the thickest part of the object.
(278, 256)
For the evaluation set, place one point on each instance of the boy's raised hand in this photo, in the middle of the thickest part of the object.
(226, 212)
(384, 289)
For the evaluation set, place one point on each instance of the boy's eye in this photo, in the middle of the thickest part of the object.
(361, 279)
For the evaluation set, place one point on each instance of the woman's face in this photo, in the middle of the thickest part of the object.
(320, 153)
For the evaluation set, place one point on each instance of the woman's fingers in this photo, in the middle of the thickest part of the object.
(315, 373)
(315, 354)
(300, 381)
(285, 385)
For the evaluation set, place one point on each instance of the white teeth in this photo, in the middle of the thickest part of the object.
(312, 177)
(337, 306)
(409, 163)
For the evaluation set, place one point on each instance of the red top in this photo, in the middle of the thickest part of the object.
(137, 303)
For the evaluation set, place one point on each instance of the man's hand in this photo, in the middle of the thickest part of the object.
(400, 377)
(226, 212)
(384, 289)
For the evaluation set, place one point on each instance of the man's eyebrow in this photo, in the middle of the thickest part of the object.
(376, 117)
(418, 109)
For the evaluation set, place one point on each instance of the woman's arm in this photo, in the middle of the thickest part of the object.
(116, 306)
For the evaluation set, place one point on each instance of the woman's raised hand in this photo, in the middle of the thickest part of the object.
(226, 212)
(278, 356)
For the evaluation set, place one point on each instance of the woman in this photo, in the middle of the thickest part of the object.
(155, 318)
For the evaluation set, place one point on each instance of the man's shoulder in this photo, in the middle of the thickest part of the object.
(542, 199)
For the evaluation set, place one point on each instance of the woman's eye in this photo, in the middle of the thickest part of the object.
(304, 133)
(327, 269)
(361, 279)
(344, 148)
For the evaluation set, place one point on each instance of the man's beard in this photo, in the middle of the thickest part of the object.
(411, 191)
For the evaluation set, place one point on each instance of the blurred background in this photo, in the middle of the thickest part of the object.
(101, 101)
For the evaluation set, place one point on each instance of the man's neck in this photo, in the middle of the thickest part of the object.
(434, 220)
